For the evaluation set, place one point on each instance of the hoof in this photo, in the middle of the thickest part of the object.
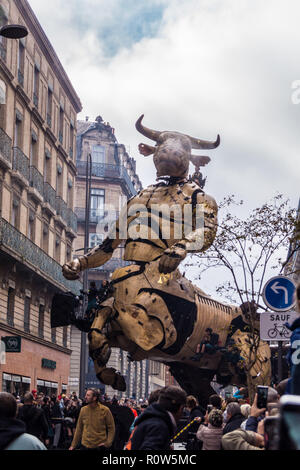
(109, 376)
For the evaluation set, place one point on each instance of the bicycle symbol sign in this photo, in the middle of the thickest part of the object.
(272, 325)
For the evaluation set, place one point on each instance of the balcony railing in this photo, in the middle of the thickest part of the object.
(104, 170)
(2, 52)
(49, 195)
(36, 180)
(72, 220)
(96, 215)
(61, 208)
(24, 248)
(20, 163)
(20, 78)
(5, 145)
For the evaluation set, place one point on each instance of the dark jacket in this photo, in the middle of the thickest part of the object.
(10, 429)
(154, 430)
(195, 412)
(234, 423)
(35, 420)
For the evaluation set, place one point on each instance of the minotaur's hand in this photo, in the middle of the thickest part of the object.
(171, 259)
(71, 270)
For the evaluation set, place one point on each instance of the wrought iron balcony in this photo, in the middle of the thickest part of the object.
(2, 52)
(21, 164)
(36, 180)
(37, 260)
(96, 215)
(49, 195)
(20, 78)
(5, 149)
(61, 209)
(72, 220)
(104, 170)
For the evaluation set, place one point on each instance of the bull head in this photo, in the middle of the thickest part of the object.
(186, 141)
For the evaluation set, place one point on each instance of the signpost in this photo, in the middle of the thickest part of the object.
(272, 326)
(12, 344)
(279, 293)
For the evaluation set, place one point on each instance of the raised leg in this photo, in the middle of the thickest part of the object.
(100, 351)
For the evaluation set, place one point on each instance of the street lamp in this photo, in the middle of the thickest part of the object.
(13, 31)
(88, 179)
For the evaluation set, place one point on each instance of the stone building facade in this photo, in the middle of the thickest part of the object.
(38, 114)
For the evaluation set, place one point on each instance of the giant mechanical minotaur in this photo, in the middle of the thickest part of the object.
(152, 310)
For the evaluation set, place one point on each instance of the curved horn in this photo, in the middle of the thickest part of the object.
(153, 135)
(204, 144)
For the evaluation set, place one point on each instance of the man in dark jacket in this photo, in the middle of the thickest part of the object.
(13, 434)
(33, 417)
(234, 417)
(157, 425)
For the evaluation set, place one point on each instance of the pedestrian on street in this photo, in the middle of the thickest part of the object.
(234, 417)
(211, 434)
(157, 425)
(33, 417)
(13, 434)
(95, 427)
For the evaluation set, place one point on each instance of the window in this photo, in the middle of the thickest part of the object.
(15, 214)
(97, 204)
(53, 335)
(49, 107)
(65, 336)
(59, 180)
(95, 239)
(98, 154)
(45, 240)
(10, 306)
(47, 166)
(36, 86)
(31, 226)
(57, 249)
(21, 58)
(61, 125)
(41, 321)
(27, 303)
(71, 153)
(18, 130)
(33, 150)
(3, 22)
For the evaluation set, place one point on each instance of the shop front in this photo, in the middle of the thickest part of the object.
(41, 366)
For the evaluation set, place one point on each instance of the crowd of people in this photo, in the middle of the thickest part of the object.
(167, 416)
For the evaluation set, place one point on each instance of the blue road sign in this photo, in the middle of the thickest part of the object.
(279, 293)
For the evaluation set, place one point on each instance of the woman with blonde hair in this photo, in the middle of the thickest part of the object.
(211, 435)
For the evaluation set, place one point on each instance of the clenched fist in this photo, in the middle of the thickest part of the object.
(71, 270)
(171, 259)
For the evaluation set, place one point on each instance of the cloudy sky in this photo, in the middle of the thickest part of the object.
(203, 67)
